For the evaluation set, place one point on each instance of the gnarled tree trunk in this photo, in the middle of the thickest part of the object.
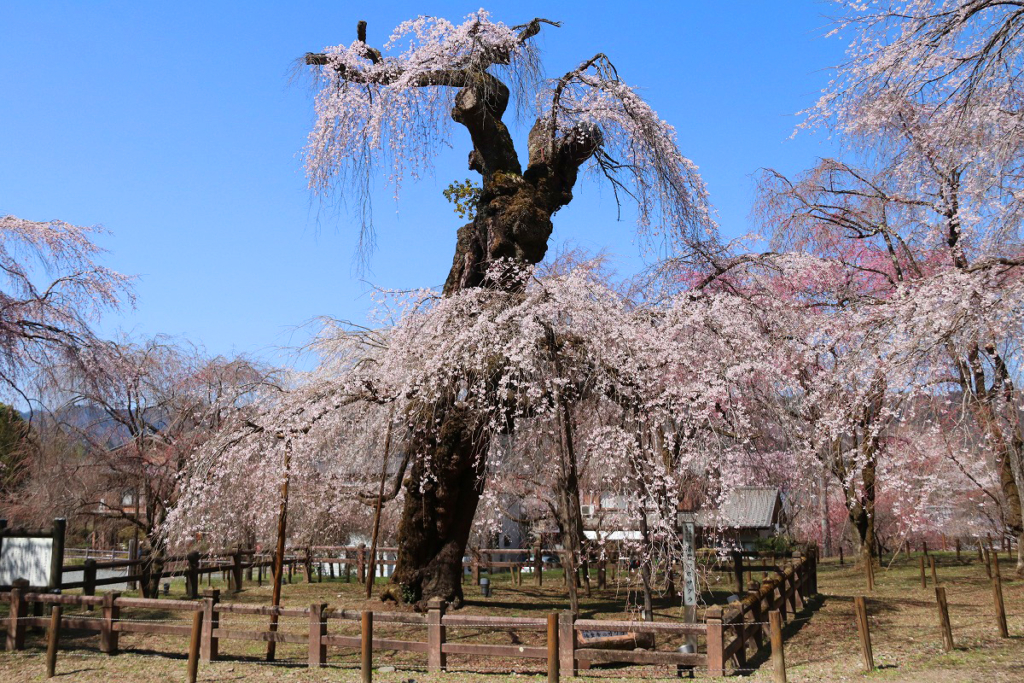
(513, 221)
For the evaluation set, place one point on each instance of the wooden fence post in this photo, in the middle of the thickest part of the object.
(236, 575)
(211, 622)
(935, 576)
(757, 614)
(778, 656)
(437, 660)
(716, 644)
(146, 570)
(995, 563)
(988, 563)
(538, 564)
(860, 604)
(779, 594)
(474, 555)
(317, 631)
(133, 553)
(800, 576)
(997, 595)
(789, 578)
(52, 637)
(553, 648)
(361, 559)
(348, 568)
(567, 643)
(192, 576)
(366, 646)
(947, 630)
(89, 578)
(111, 613)
(194, 645)
(737, 569)
(18, 612)
(924, 580)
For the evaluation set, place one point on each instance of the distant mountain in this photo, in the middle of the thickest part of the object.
(89, 421)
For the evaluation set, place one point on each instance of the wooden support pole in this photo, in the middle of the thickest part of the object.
(194, 646)
(924, 580)
(947, 630)
(988, 563)
(366, 646)
(553, 648)
(282, 528)
(995, 563)
(52, 638)
(860, 604)
(997, 595)
(778, 656)
(935, 576)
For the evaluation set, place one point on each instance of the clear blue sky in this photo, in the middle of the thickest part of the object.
(174, 126)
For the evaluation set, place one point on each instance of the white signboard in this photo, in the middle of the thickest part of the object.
(25, 558)
(689, 562)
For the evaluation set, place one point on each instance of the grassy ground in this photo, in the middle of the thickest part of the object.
(821, 643)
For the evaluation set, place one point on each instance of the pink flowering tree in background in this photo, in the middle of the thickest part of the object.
(135, 412)
(52, 289)
(930, 97)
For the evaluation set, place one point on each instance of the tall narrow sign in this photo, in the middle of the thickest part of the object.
(689, 565)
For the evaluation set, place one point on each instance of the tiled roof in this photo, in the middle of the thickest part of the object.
(744, 507)
(749, 506)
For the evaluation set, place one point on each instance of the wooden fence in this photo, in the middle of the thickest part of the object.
(725, 637)
(233, 564)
